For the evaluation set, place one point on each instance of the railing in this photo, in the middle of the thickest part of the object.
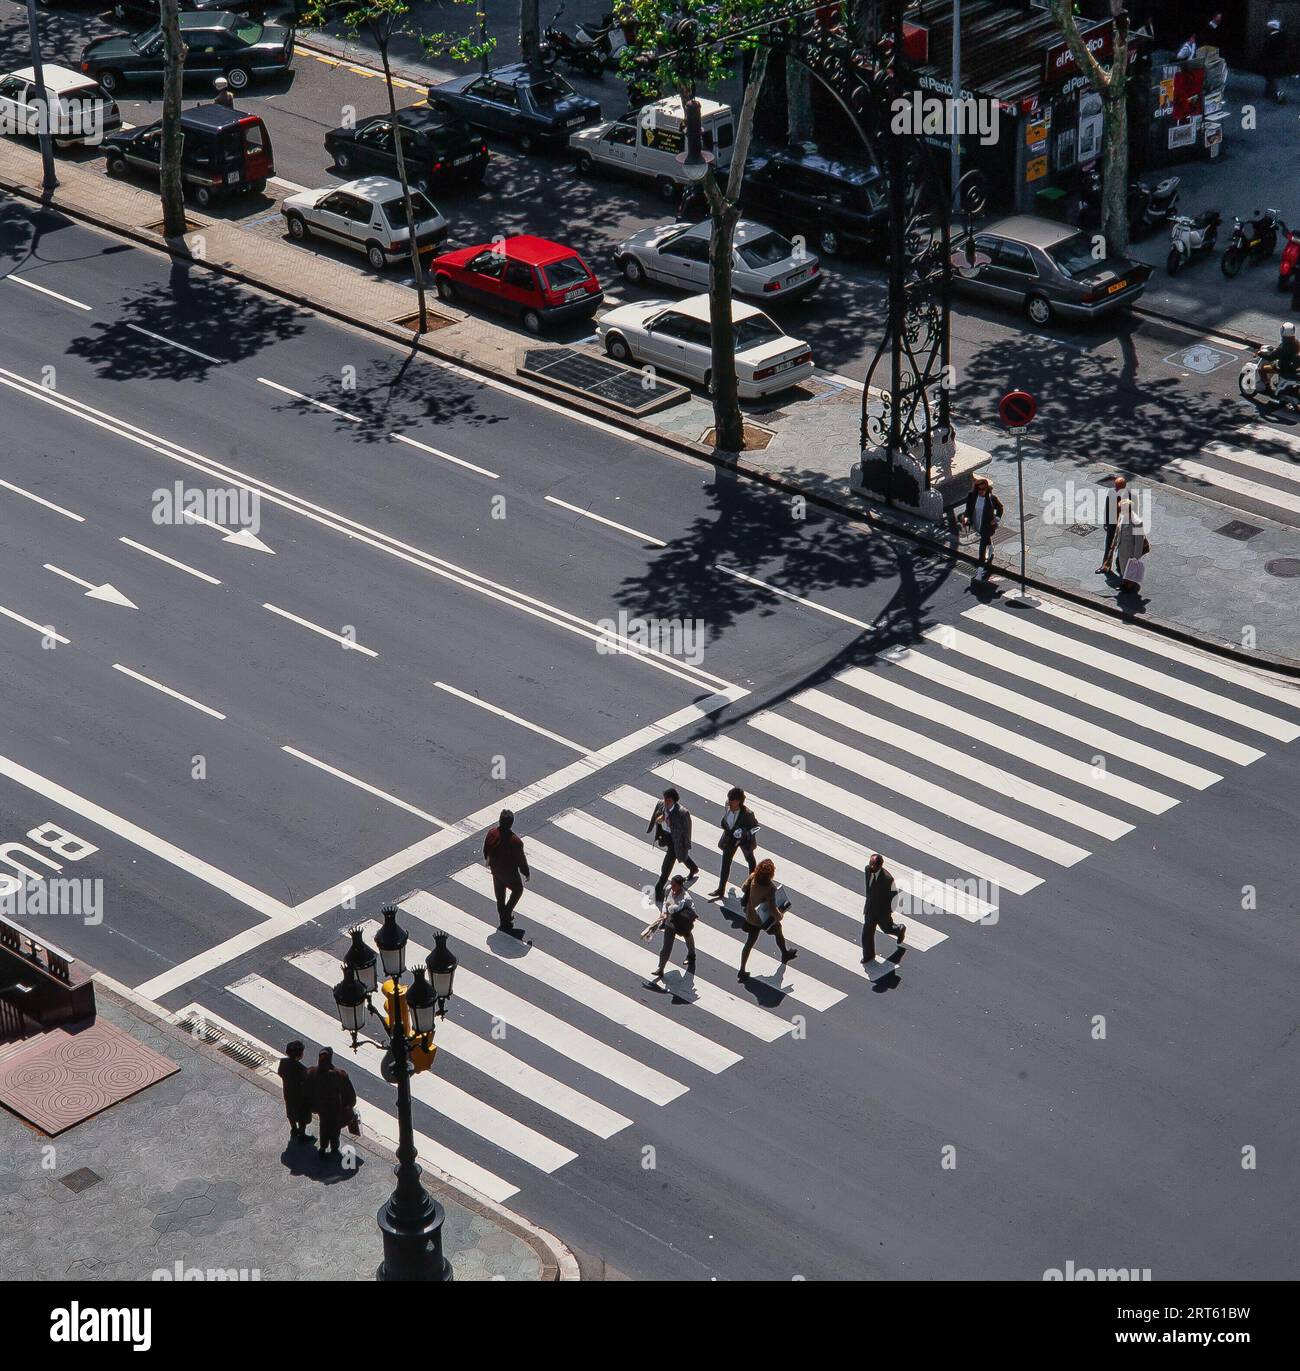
(45, 955)
(41, 985)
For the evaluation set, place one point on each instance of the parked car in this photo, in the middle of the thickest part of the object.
(645, 145)
(146, 12)
(1046, 269)
(81, 111)
(534, 107)
(219, 45)
(763, 263)
(436, 148)
(367, 215)
(224, 151)
(835, 204)
(676, 337)
(534, 279)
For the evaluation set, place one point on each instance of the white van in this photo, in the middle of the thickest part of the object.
(646, 144)
(80, 110)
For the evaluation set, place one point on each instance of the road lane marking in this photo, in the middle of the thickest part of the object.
(298, 395)
(171, 561)
(106, 592)
(158, 338)
(167, 690)
(244, 537)
(40, 500)
(44, 629)
(446, 456)
(610, 523)
(364, 785)
(324, 632)
(45, 290)
(514, 718)
(798, 599)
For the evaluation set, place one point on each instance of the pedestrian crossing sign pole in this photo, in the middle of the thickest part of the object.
(1017, 409)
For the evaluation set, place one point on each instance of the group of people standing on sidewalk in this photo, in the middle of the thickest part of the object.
(324, 1090)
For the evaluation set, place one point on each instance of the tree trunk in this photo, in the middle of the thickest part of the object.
(171, 186)
(798, 99)
(728, 423)
(1114, 218)
(413, 247)
(530, 30)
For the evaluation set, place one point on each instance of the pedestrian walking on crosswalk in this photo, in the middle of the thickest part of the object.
(332, 1097)
(764, 909)
(878, 912)
(676, 920)
(297, 1097)
(671, 825)
(503, 851)
(739, 830)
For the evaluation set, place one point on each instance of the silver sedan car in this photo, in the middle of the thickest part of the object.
(764, 265)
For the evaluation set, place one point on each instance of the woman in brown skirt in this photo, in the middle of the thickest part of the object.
(761, 912)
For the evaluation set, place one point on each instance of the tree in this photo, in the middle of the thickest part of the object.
(172, 188)
(1112, 86)
(798, 100)
(684, 47)
(530, 31)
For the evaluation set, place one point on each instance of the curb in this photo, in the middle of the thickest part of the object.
(872, 517)
(1165, 317)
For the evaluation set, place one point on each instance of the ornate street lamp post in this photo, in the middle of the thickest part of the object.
(411, 1221)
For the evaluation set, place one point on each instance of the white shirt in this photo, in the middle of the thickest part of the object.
(979, 513)
(731, 817)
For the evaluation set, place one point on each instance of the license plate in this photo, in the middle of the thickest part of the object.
(232, 178)
(576, 294)
(460, 161)
(784, 366)
(1119, 285)
(573, 123)
(799, 276)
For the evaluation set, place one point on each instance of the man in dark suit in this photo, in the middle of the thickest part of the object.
(739, 830)
(671, 825)
(503, 851)
(983, 513)
(878, 912)
(297, 1097)
(333, 1098)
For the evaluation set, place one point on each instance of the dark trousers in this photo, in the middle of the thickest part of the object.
(985, 555)
(1109, 553)
(329, 1136)
(670, 860)
(512, 883)
(884, 920)
(728, 853)
(666, 951)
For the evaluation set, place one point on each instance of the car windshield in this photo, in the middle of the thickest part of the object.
(1075, 256)
(249, 32)
(766, 251)
(395, 211)
(563, 274)
(755, 331)
(551, 91)
(145, 40)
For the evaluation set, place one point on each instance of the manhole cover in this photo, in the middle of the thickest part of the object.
(1082, 530)
(1283, 566)
(77, 1181)
(1239, 530)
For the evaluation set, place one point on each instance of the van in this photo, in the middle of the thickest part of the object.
(224, 151)
(645, 144)
(79, 111)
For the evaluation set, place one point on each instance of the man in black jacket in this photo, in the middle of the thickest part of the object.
(671, 825)
(878, 912)
(503, 851)
(739, 830)
(297, 1096)
(983, 513)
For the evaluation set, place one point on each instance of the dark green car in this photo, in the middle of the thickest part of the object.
(222, 44)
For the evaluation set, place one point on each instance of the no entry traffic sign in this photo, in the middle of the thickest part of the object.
(1017, 408)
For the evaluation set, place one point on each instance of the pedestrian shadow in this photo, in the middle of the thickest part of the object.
(303, 1159)
(889, 979)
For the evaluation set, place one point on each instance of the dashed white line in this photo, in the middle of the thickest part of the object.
(446, 456)
(514, 718)
(167, 690)
(40, 500)
(366, 786)
(610, 523)
(798, 599)
(298, 395)
(44, 629)
(158, 338)
(171, 561)
(316, 628)
(45, 290)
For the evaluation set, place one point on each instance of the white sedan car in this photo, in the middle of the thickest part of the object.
(674, 336)
(764, 264)
(81, 111)
(367, 215)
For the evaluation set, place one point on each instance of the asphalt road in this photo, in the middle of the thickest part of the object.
(1086, 1074)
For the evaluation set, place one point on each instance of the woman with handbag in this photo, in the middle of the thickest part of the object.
(765, 904)
(677, 919)
(739, 830)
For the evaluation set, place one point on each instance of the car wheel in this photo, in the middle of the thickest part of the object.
(584, 166)
(633, 271)
(446, 288)
(376, 256)
(616, 346)
(1231, 263)
(342, 159)
(526, 143)
(667, 189)
(828, 242)
(111, 80)
(298, 229)
(203, 196)
(116, 166)
(1039, 310)
(532, 321)
(1175, 260)
(238, 77)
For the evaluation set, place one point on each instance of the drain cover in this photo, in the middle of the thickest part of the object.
(77, 1181)
(1283, 566)
(1082, 530)
(1239, 530)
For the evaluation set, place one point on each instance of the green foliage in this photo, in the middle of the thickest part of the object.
(383, 20)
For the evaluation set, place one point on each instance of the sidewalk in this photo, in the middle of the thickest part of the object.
(194, 1174)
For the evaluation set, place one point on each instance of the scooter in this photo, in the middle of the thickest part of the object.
(1287, 267)
(1190, 237)
(1253, 240)
(1148, 206)
(593, 50)
(1260, 379)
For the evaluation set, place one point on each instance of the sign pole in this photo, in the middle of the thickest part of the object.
(1020, 483)
(1017, 409)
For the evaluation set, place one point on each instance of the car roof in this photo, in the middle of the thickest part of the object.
(215, 117)
(515, 72)
(697, 307)
(811, 156)
(375, 189)
(1030, 229)
(536, 252)
(746, 231)
(421, 117)
(671, 106)
(57, 78)
(209, 19)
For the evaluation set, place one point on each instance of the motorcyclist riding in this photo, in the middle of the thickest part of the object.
(1287, 354)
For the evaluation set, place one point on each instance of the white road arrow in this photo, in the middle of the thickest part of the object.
(109, 594)
(243, 537)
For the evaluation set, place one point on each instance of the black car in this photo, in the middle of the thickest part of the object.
(536, 108)
(219, 44)
(147, 13)
(436, 148)
(836, 204)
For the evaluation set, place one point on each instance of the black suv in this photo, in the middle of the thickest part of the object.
(836, 204)
(436, 148)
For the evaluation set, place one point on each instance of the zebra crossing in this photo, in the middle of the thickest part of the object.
(993, 756)
(1259, 471)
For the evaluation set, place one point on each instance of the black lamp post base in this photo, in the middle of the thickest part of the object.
(413, 1253)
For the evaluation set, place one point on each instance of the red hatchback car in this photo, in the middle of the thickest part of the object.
(538, 281)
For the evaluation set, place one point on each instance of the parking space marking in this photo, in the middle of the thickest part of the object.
(40, 500)
(167, 690)
(365, 785)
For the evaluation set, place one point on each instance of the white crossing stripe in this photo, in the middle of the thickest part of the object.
(441, 1096)
(829, 946)
(1266, 433)
(1245, 677)
(1238, 485)
(494, 1062)
(1257, 461)
(1057, 720)
(883, 686)
(1120, 707)
(924, 890)
(567, 980)
(800, 880)
(1004, 783)
(835, 798)
(638, 958)
(1156, 681)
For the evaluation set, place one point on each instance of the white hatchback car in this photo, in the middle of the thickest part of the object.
(82, 111)
(675, 337)
(763, 263)
(366, 214)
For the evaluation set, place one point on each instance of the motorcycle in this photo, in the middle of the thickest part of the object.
(1148, 206)
(593, 50)
(1189, 236)
(1287, 267)
(1253, 240)
(1260, 379)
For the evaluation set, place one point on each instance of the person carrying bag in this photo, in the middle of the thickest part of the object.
(677, 920)
(765, 904)
(739, 830)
